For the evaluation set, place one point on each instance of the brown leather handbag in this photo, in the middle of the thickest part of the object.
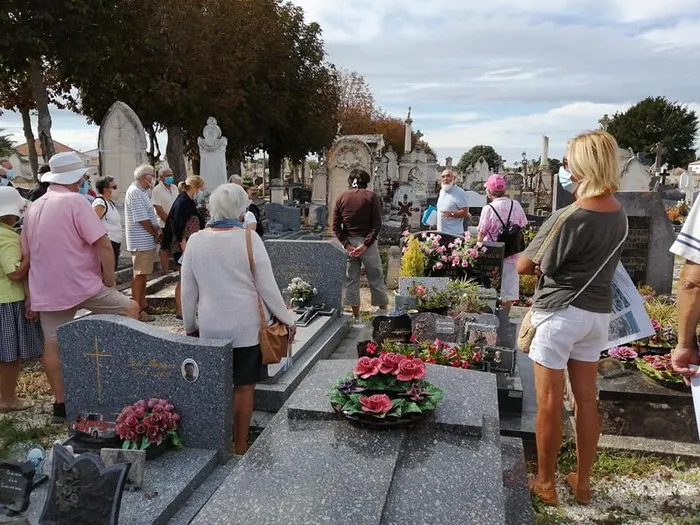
(274, 339)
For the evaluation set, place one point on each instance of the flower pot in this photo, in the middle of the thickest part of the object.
(298, 302)
(155, 451)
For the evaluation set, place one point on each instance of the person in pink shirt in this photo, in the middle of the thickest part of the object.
(71, 262)
(490, 226)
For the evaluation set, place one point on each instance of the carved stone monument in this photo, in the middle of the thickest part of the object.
(122, 145)
(212, 154)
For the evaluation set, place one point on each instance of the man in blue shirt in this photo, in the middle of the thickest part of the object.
(452, 205)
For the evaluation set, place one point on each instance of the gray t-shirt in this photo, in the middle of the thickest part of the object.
(585, 240)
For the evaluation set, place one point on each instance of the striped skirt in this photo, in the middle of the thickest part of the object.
(20, 338)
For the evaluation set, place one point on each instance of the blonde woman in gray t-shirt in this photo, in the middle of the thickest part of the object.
(570, 249)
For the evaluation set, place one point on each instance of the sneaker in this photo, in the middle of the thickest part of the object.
(145, 317)
(59, 412)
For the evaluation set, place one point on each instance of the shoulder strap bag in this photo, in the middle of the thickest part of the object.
(274, 339)
(527, 328)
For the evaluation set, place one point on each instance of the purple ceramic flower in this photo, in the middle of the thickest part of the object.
(350, 387)
(622, 353)
(416, 393)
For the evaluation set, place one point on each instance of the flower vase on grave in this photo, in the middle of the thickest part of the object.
(156, 450)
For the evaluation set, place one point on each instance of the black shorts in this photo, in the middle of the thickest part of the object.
(248, 367)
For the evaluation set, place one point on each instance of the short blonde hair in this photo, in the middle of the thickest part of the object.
(228, 201)
(192, 182)
(593, 161)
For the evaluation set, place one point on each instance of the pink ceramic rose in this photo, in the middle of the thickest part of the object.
(390, 363)
(376, 404)
(367, 367)
(410, 370)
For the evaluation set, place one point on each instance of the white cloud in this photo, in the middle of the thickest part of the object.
(684, 34)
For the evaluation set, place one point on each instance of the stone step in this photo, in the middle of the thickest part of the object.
(271, 397)
(515, 490)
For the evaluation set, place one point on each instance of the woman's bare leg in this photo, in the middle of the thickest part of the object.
(549, 386)
(582, 376)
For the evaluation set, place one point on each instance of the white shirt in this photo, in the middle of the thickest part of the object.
(250, 218)
(453, 200)
(687, 244)
(111, 219)
(138, 207)
(164, 196)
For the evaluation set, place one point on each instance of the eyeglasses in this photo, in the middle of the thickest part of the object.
(112, 187)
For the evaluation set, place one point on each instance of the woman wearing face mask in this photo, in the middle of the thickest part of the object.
(183, 220)
(565, 177)
(575, 254)
(84, 188)
(109, 214)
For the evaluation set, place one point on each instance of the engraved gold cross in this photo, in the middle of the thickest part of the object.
(97, 354)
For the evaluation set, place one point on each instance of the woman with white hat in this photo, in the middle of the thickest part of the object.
(20, 331)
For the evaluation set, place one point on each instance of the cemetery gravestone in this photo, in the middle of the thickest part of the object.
(301, 195)
(82, 491)
(288, 218)
(499, 359)
(212, 154)
(122, 145)
(392, 327)
(320, 263)
(430, 326)
(15, 485)
(136, 459)
(635, 251)
(322, 216)
(110, 362)
(489, 267)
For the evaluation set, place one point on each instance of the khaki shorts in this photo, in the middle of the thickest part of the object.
(107, 301)
(143, 262)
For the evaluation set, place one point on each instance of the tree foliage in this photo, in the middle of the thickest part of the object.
(654, 120)
(472, 156)
(7, 146)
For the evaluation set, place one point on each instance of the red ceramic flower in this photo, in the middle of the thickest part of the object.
(410, 370)
(371, 348)
(376, 404)
(141, 429)
(367, 367)
(390, 363)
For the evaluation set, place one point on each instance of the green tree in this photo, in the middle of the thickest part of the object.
(657, 120)
(7, 146)
(472, 156)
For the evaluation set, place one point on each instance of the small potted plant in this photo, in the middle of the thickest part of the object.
(301, 292)
(150, 425)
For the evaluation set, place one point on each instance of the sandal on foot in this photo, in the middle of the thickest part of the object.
(583, 496)
(548, 496)
(17, 406)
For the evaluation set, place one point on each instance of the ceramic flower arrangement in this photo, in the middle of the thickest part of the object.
(148, 422)
(658, 368)
(461, 253)
(300, 290)
(390, 387)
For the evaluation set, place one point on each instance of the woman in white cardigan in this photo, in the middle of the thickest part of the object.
(220, 298)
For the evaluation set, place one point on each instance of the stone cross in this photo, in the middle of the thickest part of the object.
(605, 122)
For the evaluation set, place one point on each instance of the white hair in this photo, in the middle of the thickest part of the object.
(235, 179)
(141, 171)
(228, 201)
(162, 171)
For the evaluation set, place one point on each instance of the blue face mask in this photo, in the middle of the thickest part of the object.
(198, 195)
(565, 180)
(10, 174)
(84, 188)
(169, 180)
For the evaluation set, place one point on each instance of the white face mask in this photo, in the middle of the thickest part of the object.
(448, 187)
(566, 181)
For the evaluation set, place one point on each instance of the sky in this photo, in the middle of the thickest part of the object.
(499, 72)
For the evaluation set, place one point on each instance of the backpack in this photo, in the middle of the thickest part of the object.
(511, 234)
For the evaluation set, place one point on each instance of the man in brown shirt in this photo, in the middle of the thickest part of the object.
(357, 219)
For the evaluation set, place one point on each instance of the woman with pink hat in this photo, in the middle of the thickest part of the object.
(20, 332)
(502, 221)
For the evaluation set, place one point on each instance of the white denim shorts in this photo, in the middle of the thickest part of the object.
(570, 333)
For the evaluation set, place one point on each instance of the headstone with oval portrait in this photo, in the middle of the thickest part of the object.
(110, 362)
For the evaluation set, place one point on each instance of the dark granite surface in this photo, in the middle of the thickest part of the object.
(308, 472)
(637, 387)
(169, 481)
(517, 496)
(468, 397)
(320, 263)
(288, 218)
(137, 361)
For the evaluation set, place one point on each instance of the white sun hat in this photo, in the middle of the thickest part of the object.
(11, 202)
(66, 168)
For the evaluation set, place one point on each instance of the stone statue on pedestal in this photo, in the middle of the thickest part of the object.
(212, 154)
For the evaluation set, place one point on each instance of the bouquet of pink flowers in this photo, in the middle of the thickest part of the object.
(462, 252)
(148, 422)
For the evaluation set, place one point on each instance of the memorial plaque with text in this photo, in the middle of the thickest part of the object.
(15, 485)
(635, 251)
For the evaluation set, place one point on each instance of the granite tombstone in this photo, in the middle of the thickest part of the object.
(82, 491)
(110, 362)
(320, 263)
(136, 459)
(302, 195)
(16, 485)
(392, 327)
(430, 326)
(286, 218)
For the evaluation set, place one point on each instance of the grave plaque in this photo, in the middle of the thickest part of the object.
(430, 326)
(392, 327)
(286, 217)
(635, 251)
(110, 362)
(82, 491)
(322, 264)
(500, 359)
(15, 485)
(489, 266)
(302, 195)
(136, 459)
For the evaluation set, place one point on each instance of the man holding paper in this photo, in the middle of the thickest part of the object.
(687, 245)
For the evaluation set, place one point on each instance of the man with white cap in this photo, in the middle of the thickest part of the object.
(71, 262)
